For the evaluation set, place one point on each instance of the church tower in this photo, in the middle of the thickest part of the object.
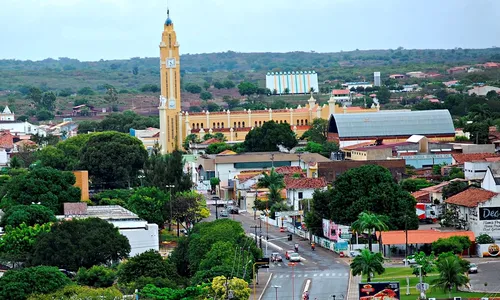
(170, 99)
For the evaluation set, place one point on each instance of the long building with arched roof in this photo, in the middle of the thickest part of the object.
(350, 129)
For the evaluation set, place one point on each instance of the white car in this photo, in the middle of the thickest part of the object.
(411, 260)
(354, 253)
(294, 256)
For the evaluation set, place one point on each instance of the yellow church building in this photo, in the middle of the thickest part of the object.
(175, 124)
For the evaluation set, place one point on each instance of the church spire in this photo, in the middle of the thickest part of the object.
(168, 22)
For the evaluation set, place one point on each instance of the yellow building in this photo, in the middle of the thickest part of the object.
(175, 124)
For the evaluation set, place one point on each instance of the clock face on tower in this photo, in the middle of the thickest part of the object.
(171, 104)
(170, 62)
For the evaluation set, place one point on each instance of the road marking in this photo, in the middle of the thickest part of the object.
(300, 275)
(287, 276)
(315, 275)
(337, 262)
(308, 283)
(328, 274)
(346, 274)
(321, 275)
(275, 276)
(301, 263)
(281, 276)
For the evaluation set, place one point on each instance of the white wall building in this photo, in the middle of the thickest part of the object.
(479, 209)
(363, 84)
(298, 189)
(491, 180)
(142, 235)
(7, 115)
(475, 170)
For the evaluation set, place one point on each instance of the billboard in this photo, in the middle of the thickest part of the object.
(379, 291)
(489, 213)
(335, 232)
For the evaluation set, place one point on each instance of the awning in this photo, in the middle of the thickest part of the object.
(398, 237)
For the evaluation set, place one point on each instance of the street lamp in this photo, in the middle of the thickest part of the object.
(406, 241)
(169, 187)
(276, 287)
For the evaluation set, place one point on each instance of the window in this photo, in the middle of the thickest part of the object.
(239, 124)
(301, 122)
(201, 125)
(193, 126)
(306, 122)
(214, 125)
(243, 124)
(218, 125)
(222, 124)
(235, 124)
(301, 195)
(298, 123)
(198, 126)
(255, 123)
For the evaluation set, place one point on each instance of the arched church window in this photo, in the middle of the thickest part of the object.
(301, 122)
(306, 121)
(222, 124)
(243, 124)
(239, 124)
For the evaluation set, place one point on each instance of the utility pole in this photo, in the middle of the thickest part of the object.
(276, 287)
(216, 209)
(255, 227)
(169, 187)
(406, 240)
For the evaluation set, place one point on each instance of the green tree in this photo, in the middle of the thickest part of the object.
(371, 188)
(206, 85)
(216, 148)
(96, 276)
(135, 70)
(189, 207)
(370, 223)
(318, 132)
(165, 170)
(17, 243)
(44, 115)
(367, 263)
(247, 88)
(192, 88)
(484, 239)
(199, 292)
(72, 244)
(86, 91)
(28, 214)
(19, 284)
(274, 182)
(269, 136)
(319, 211)
(451, 274)
(191, 138)
(150, 204)
(111, 97)
(71, 292)
(65, 155)
(228, 84)
(479, 132)
(414, 184)
(220, 254)
(424, 264)
(47, 186)
(232, 102)
(453, 188)
(113, 159)
(454, 244)
(16, 163)
(218, 85)
(214, 182)
(149, 264)
(206, 95)
(220, 136)
(383, 95)
(212, 106)
(238, 287)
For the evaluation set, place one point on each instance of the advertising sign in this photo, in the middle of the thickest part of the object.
(379, 291)
(489, 213)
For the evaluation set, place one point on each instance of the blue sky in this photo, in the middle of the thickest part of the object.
(117, 29)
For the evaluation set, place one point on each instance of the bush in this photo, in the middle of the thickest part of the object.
(44, 115)
(75, 292)
(29, 214)
(96, 276)
(484, 239)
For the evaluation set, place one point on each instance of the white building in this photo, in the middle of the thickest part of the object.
(142, 235)
(482, 90)
(363, 84)
(479, 210)
(376, 79)
(297, 82)
(298, 189)
(7, 115)
(342, 96)
(476, 170)
(491, 180)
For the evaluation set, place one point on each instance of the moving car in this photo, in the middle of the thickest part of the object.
(223, 213)
(410, 259)
(294, 256)
(472, 268)
(276, 257)
(287, 253)
(232, 209)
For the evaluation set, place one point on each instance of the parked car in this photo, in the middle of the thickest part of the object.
(70, 274)
(294, 256)
(223, 213)
(276, 257)
(472, 268)
(354, 253)
(287, 253)
(184, 231)
(410, 259)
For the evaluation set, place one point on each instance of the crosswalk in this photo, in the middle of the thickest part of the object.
(309, 275)
(281, 264)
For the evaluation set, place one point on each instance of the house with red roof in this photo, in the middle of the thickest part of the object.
(342, 96)
(298, 189)
(478, 210)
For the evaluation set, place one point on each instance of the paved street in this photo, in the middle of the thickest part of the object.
(487, 272)
(326, 272)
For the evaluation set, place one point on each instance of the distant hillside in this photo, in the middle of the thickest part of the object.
(50, 74)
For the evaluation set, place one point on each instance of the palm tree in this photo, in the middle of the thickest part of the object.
(368, 263)
(370, 223)
(451, 274)
(274, 183)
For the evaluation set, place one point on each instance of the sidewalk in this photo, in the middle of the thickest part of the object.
(352, 292)
(260, 289)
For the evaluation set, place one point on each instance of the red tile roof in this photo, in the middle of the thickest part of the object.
(288, 170)
(471, 197)
(398, 237)
(340, 92)
(305, 183)
(210, 141)
(460, 158)
(421, 196)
